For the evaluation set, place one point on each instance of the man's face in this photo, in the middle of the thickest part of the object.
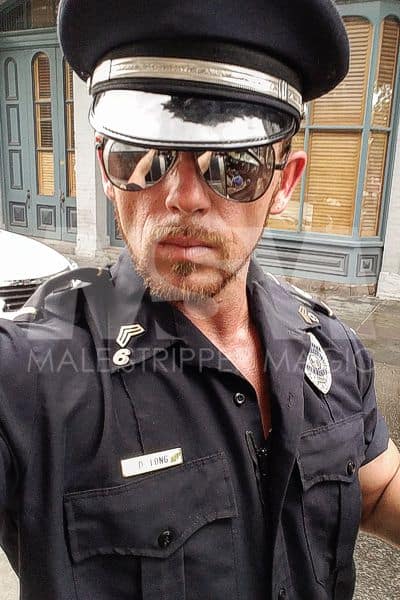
(186, 241)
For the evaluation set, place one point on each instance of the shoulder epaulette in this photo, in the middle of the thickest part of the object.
(315, 303)
(306, 298)
(76, 278)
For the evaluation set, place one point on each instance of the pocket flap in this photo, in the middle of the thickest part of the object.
(151, 516)
(332, 453)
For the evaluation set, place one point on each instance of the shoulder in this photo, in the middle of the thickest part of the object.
(48, 331)
(50, 321)
(53, 293)
(332, 330)
(309, 306)
(306, 299)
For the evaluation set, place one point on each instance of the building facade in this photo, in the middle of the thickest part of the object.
(341, 228)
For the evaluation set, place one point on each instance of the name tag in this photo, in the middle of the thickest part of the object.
(151, 462)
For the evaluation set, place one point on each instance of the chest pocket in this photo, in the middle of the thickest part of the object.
(159, 536)
(329, 458)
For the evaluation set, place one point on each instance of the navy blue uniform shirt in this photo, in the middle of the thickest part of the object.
(240, 517)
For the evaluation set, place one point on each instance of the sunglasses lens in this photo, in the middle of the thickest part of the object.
(239, 175)
(242, 175)
(131, 168)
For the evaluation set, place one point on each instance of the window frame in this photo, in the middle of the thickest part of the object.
(27, 16)
(375, 12)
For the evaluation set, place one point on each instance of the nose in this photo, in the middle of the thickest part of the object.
(187, 192)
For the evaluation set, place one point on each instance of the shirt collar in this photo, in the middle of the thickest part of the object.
(146, 325)
(135, 306)
(272, 306)
(122, 315)
(273, 302)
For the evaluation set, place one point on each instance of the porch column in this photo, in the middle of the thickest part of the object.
(91, 203)
(389, 280)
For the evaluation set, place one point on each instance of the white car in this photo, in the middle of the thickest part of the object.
(24, 265)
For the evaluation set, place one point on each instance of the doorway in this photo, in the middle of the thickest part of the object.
(38, 143)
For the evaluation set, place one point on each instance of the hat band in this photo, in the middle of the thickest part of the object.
(199, 71)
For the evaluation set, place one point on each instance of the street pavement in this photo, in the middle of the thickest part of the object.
(378, 324)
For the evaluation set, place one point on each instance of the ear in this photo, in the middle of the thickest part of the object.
(107, 185)
(291, 175)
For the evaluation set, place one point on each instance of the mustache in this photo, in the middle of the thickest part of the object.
(178, 230)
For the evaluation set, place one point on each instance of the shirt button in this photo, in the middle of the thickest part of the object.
(239, 399)
(165, 538)
(351, 467)
(282, 594)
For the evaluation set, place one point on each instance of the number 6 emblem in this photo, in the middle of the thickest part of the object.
(121, 357)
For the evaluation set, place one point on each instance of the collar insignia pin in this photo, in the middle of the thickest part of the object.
(317, 367)
(122, 356)
(307, 315)
(127, 332)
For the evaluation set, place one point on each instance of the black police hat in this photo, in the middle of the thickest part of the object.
(207, 73)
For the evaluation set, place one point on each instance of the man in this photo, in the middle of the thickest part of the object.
(186, 427)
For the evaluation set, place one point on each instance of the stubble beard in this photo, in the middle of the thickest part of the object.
(228, 268)
(184, 290)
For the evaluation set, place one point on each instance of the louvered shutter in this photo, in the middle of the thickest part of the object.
(332, 181)
(69, 125)
(373, 187)
(43, 125)
(43, 13)
(381, 117)
(345, 105)
(332, 175)
(383, 89)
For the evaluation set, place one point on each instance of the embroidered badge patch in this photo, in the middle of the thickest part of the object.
(317, 367)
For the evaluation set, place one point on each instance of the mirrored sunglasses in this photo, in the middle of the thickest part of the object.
(241, 175)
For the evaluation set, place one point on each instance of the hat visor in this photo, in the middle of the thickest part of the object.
(161, 120)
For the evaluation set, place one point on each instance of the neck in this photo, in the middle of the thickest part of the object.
(223, 317)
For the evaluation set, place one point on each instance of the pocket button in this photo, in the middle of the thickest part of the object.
(351, 468)
(165, 538)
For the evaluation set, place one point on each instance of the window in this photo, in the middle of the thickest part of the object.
(69, 129)
(43, 125)
(338, 130)
(381, 121)
(28, 14)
